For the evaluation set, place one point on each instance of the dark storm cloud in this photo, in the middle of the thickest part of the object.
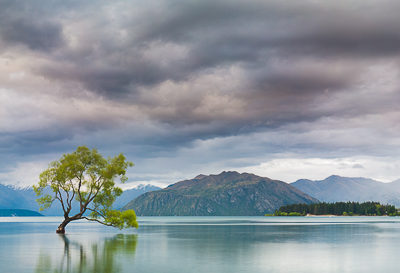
(253, 35)
(35, 35)
(266, 40)
(289, 85)
(228, 29)
(113, 82)
(156, 77)
(28, 24)
(221, 34)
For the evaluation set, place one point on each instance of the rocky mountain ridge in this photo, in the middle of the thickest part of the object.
(228, 193)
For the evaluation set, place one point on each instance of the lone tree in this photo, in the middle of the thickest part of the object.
(86, 179)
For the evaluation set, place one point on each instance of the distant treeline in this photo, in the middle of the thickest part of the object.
(338, 208)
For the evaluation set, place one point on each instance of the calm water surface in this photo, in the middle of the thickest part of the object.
(204, 244)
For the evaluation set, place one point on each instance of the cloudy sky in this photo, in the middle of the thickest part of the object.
(283, 89)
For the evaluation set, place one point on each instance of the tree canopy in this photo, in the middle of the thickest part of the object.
(337, 208)
(84, 178)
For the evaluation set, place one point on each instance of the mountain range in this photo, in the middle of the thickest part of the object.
(16, 198)
(228, 193)
(337, 188)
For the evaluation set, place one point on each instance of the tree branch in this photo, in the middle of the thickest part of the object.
(96, 220)
(90, 197)
(79, 189)
(61, 201)
(101, 214)
(67, 193)
(80, 184)
(73, 193)
(91, 190)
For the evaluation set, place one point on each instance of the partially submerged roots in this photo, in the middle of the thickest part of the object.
(60, 230)
(61, 227)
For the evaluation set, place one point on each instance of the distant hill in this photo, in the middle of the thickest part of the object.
(228, 193)
(18, 212)
(16, 198)
(129, 195)
(337, 188)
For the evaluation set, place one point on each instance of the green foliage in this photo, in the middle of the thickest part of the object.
(88, 178)
(45, 201)
(339, 208)
(294, 214)
(282, 213)
(125, 219)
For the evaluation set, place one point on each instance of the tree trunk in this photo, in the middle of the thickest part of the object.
(61, 227)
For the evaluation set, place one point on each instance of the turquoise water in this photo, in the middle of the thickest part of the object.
(203, 244)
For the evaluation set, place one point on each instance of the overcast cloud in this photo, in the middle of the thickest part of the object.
(282, 89)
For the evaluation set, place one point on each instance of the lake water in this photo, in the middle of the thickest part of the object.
(203, 244)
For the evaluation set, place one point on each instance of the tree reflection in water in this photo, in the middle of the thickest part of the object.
(99, 257)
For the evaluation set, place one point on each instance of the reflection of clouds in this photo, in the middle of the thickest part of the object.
(96, 257)
(279, 248)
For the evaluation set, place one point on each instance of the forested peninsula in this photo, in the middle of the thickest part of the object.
(338, 209)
